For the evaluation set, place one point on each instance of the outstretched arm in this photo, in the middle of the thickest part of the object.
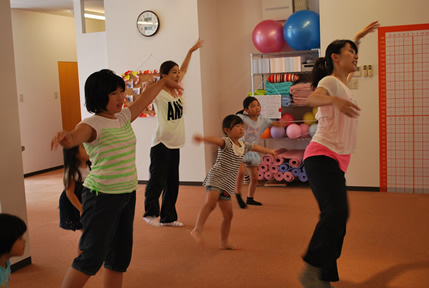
(147, 96)
(320, 97)
(185, 64)
(209, 139)
(82, 133)
(262, 149)
(371, 27)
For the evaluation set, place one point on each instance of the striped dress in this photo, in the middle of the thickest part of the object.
(112, 155)
(224, 172)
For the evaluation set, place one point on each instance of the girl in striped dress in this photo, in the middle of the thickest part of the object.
(220, 181)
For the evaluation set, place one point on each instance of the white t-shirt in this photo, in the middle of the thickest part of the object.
(335, 130)
(170, 129)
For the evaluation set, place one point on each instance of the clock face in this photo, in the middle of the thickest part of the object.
(148, 23)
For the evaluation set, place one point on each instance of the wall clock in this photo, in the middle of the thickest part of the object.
(148, 23)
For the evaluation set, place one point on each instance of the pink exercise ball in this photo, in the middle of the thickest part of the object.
(277, 132)
(293, 131)
(288, 118)
(268, 37)
(304, 129)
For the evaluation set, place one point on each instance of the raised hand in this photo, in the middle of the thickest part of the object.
(371, 27)
(197, 45)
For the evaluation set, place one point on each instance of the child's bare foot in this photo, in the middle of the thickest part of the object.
(197, 237)
(227, 246)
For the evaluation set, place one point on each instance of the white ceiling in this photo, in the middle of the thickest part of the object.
(61, 7)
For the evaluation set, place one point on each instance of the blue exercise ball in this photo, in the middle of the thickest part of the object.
(302, 30)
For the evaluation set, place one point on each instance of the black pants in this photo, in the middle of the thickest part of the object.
(164, 178)
(328, 184)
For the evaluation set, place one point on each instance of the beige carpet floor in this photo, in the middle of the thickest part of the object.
(386, 245)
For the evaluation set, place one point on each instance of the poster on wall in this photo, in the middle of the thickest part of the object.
(135, 83)
(271, 106)
(404, 108)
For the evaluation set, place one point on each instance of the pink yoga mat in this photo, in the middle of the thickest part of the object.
(268, 175)
(260, 175)
(273, 168)
(268, 159)
(279, 160)
(294, 157)
(262, 167)
(278, 176)
(288, 176)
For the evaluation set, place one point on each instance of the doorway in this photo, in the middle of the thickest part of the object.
(70, 96)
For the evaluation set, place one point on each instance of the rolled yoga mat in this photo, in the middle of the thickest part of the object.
(279, 176)
(295, 171)
(262, 167)
(284, 167)
(288, 176)
(268, 159)
(294, 157)
(268, 175)
(260, 175)
(303, 177)
(273, 168)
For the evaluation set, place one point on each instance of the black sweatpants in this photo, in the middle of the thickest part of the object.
(328, 184)
(164, 178)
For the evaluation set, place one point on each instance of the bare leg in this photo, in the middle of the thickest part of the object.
(74, 278)
(240, 177)
(112, 279)
(239, 184)
(212, 198)
(226, 208)
(253, 173)
(78, 243)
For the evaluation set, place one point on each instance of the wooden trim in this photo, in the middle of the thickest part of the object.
(43, 171)
(21, 264)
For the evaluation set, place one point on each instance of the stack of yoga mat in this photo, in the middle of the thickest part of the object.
(287, 166)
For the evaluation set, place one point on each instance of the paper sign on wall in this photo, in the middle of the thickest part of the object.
(271, 106)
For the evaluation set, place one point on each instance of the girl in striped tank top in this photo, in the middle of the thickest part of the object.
(220, 181)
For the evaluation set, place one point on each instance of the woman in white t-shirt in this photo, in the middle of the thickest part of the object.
(327, 156)
(169, 137)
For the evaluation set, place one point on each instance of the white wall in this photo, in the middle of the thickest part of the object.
(342, 19)
(40, 41)
(128, 50)
(12, 193)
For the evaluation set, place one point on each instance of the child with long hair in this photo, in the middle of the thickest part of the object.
(76, 168)
(254, 126)
(220, 181)
(167, 140)
(109, 195)
(327, 156)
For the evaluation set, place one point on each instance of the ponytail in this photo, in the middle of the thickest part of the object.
(324, 66)
(319, 71)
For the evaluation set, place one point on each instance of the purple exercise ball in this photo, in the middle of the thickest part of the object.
(277, 132)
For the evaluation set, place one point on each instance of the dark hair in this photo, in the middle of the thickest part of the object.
(71, 165)
(230, 121)
(166, 67)
(98, 86)
(324, 66)
(246, 103)
(12, 227)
